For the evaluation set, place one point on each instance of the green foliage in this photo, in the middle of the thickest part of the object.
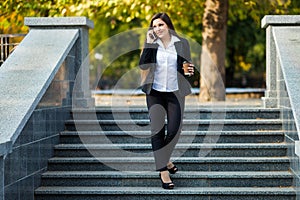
(13, 12)
(245, 39)
(125, 15)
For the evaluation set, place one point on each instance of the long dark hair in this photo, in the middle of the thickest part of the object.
(165, 17)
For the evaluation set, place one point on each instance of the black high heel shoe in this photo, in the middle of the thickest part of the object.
(167, 186)
(173, 170)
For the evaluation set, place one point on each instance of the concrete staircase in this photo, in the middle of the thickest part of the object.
(239, 153)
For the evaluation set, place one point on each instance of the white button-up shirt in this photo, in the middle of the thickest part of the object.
(165, 75)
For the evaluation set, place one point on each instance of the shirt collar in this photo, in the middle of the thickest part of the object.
(173, 40)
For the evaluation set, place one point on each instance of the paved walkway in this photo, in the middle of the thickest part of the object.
(191, 101)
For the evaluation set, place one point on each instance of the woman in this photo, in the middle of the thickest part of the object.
(165, 86)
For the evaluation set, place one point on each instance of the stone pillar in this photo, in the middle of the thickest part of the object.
(271, 22)
(270, 99)
(80, 63)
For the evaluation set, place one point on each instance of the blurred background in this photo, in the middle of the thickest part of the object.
(245, 40)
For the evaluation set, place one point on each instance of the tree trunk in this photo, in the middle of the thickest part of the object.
(212, 80)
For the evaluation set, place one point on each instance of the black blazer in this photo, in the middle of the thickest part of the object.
(148, 64)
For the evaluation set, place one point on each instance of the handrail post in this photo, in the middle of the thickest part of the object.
(78, 62)
(270, 22)
(270, 99)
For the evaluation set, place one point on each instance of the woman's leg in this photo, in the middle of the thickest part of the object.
(160, 104)
(157, 113)
(175, 110)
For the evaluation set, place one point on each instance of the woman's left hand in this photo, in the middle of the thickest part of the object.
(191, 69)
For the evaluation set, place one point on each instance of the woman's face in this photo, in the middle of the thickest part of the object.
(160, 28)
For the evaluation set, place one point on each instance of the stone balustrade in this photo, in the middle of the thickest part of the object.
(36, 89)
(283, 82)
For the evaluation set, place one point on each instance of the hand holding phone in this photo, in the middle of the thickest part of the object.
(151, 37)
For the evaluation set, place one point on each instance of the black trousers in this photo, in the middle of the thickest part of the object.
(161, 106)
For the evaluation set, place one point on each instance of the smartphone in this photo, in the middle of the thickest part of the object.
(152, 35)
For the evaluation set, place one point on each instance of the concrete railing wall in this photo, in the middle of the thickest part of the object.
(283, 82)
(36, 88)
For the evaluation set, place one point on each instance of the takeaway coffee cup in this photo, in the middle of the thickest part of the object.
(186, 68)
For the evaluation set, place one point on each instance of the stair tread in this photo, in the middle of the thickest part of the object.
(181, 159)
(187, 109)
(181, 174)
(185, 121)
(178, 146)
(159, 190)
(184, 132)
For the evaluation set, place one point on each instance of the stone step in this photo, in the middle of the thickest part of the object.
(188, 125)
(188, 150)
(143, 137)
(157, 193)
(186, 163)
(181, 179)
(190, 113)
(222, 154)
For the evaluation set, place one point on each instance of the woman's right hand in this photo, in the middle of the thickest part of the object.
(150, 36)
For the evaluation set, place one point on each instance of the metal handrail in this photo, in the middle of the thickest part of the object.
(8, 43)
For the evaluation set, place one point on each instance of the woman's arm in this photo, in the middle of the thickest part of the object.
(147, 58)
(187, 50)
